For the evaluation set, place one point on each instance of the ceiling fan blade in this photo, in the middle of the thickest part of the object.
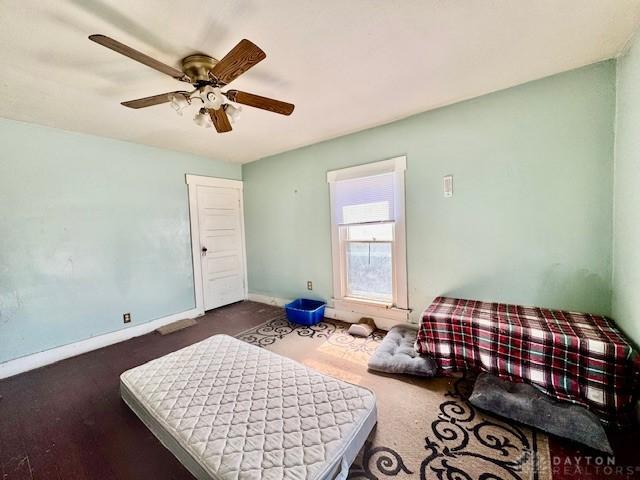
(150, 101)
(276, 106)
(241, 58)
(139, 57)
(220, 120)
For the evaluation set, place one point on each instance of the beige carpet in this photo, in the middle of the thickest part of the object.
(425, 427)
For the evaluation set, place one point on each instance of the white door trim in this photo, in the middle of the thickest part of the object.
(213, 181)
(193, 181)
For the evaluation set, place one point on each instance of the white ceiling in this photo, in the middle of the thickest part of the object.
(346, 64)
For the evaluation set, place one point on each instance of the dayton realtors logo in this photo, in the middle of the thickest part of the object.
(581, 466)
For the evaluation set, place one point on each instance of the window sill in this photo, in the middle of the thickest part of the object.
(371, 308)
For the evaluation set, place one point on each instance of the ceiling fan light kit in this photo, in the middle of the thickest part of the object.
(211, 97)
(202, 118)
(179, 102)
(232, 111)
(208, 76)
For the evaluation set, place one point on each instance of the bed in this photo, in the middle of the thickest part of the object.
(230, 410)
(575, 357)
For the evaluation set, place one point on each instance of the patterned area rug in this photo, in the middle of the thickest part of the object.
(426, 429)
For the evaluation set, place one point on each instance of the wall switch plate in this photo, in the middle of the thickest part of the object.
(447, 186)
(126, 317)
(309, 285)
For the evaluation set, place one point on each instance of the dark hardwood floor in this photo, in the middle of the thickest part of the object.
(66, 421)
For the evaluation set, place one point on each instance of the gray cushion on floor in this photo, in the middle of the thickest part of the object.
(396, 354)
(525, 404)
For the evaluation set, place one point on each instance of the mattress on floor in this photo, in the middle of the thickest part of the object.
(230, 410)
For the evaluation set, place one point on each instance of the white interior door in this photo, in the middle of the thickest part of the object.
(221, 245)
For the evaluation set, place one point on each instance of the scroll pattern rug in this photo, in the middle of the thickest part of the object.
(426, 428)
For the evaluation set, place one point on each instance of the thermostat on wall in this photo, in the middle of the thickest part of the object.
(447, 184)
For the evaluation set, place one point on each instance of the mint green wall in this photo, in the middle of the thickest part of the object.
(626, 253)
(90, 228)
(530, 220)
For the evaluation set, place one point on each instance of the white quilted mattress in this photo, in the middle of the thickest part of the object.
(230, 410)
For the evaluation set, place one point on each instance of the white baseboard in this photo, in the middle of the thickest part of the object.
(354, 317)
(278, 302)
(330, 312)
(40, 359)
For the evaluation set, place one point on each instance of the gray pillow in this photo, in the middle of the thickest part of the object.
(525, 404)
(396, 354)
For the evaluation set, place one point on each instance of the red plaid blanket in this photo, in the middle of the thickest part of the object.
(577, 357)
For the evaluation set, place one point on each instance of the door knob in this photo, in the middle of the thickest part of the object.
(204, 250)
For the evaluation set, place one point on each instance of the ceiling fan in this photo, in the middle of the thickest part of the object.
(208, 76)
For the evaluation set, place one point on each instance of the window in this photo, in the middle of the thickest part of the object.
(368, 235)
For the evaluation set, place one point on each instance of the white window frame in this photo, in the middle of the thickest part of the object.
(400, 308)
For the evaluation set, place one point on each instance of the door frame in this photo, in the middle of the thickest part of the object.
(193, 181)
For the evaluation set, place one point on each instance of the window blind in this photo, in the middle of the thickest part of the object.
(364, 199)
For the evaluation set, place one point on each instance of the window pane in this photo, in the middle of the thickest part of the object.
(369, 271)
(382, 232)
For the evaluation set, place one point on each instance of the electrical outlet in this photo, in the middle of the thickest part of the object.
(309, 285)
(126, 317)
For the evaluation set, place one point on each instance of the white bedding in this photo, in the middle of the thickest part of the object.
(230, 410)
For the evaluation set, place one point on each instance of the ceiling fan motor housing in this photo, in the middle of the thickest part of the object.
(197, 66)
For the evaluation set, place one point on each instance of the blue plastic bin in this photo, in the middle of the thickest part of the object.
(305, 312)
